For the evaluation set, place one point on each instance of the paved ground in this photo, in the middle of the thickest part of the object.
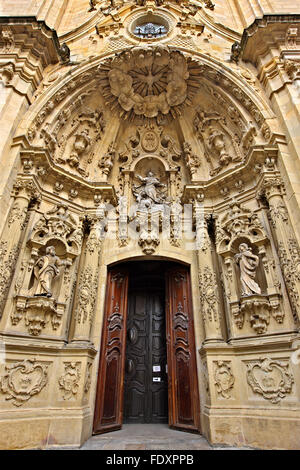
(149, 437)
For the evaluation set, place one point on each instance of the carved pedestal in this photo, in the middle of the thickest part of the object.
(257, 309)
(37, 312)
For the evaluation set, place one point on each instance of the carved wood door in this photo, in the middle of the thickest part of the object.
(146, 383)
(184, 409)
(109, 401)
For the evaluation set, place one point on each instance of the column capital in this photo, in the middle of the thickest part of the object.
(26, 189)
(272, 187)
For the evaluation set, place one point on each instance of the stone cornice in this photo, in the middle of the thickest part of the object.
(38, 166)
(27, 47)
(247, 170)
(265, 32)
(29, 25)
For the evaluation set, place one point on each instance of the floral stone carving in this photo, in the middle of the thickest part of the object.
(23, 380)
(87, 291)
(69, 381)
(88, 377)
(224, 379)
(146, 81)
(270, 378)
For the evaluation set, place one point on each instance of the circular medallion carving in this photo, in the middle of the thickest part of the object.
(150, 141)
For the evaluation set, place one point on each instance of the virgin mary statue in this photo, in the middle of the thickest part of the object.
(248, 263)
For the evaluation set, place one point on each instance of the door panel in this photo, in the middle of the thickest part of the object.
(145, 400)
(109, 401)
(159, 332)
(184, 412)
(136, 356)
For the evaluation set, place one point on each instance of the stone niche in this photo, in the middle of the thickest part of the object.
(44, 283)
(74, 137)
(253, 295)
(149, 185)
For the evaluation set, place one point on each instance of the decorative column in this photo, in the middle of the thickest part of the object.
(88, 280)
(209, 294)
(24, 192)
(287, 246)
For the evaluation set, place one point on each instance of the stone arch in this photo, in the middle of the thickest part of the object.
(135, 163)
(70, 94)
(69, 87)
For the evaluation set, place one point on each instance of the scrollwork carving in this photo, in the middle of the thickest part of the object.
(270, 378)
(69, 381)
(238, 221)
(224, 379)
(24, 380)
(59, 224)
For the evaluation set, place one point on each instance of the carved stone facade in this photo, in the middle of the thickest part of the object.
(150, 130)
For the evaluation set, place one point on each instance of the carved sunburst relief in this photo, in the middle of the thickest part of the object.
(149, 81)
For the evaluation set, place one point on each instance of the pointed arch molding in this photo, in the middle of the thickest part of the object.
(72, 86)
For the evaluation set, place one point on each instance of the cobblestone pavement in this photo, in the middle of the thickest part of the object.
(150, 437)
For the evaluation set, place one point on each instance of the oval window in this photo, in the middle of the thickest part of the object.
(150, 30)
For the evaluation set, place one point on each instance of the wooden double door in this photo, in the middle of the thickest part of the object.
(147, 371)
(146, 379)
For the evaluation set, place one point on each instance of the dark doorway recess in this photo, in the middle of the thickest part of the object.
(147, 370)
(146, 379)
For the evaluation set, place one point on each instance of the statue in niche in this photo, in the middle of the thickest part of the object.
(80, 147)
(45, 270)
(107, 161)
(216, 141)
(248, 263)
(192, 160)
(148, 193)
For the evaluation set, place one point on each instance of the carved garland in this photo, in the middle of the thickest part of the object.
(209, 296)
